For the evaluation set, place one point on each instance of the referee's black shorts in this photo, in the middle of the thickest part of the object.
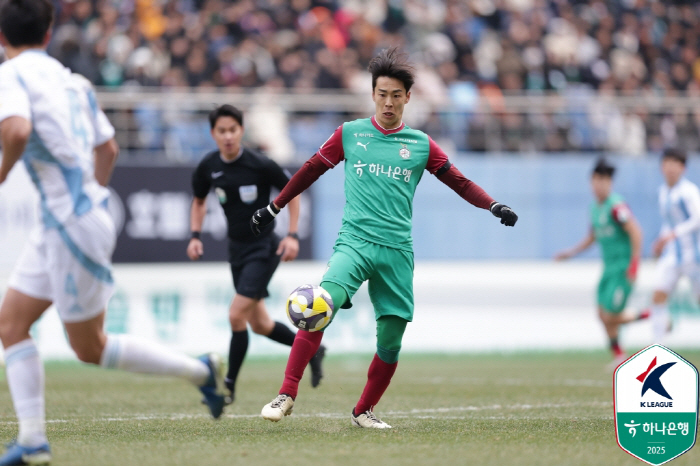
(252, 265)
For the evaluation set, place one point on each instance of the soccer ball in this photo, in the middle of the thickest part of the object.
(310, 308)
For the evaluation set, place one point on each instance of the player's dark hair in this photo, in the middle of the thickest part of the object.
(225, 110)
(675, 154)
(25, 22)
(392, 63)
(603, 168)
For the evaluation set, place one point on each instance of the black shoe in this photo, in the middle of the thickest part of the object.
(317, 367)
(230, 395)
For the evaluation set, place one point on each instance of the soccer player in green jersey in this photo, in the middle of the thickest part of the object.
(384, 161)
(620, 240)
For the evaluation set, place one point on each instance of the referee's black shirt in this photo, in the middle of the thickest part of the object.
(242, 186)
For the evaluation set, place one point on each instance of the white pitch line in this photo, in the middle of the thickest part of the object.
(424, 413)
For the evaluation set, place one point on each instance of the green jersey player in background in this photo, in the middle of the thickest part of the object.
(620, 240)
(384, 161)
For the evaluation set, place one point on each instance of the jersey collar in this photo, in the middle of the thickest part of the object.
(385, 131)
(240, 152)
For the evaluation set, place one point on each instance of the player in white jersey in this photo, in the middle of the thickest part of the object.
(50, 119)
(679, 241)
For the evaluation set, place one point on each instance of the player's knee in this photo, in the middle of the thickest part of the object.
(389, 355)
(88, 353)
(261, 328)
(12, 332)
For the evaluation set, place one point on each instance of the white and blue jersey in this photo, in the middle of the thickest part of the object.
(68, 259)
(680, 213)
(67, 124)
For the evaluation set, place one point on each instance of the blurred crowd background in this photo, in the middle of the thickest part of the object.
(493, 75)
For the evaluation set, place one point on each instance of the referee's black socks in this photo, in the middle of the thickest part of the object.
(282, 334)
(236, 354)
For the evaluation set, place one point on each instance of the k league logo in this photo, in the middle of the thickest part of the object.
(656, 405)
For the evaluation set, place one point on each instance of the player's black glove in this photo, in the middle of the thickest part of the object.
(262, 218)
(505, 213)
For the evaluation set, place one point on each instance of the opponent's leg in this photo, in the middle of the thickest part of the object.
(134, 354)
(660, 317)
(390, 330)
(25, 376)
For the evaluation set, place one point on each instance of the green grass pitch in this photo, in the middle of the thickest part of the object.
(482, 409)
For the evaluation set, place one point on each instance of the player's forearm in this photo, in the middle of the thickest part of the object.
(294, 208)
(689, 226)
(635, 233)
(583, 245)
(14, 132)
(302, 179)
(105, 158)
(467, 189)
(197, 213)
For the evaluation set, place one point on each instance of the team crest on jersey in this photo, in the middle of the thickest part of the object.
(404, 152)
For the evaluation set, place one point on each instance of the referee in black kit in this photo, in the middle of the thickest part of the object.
(242, 180)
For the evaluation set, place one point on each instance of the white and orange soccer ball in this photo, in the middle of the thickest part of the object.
(310, 308)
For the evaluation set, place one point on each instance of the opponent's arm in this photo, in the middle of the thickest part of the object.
(289, 246)
(579, 248)
(692, 224)
(14, 132)
(105, 157)
(198, 211)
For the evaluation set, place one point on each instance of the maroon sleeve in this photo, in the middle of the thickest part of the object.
(302, 179)
(331, 152)
(436, 158)
(467, 189)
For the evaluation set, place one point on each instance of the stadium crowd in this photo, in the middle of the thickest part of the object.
(465, 51)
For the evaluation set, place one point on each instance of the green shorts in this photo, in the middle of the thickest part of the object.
(389, 272)
(613, 290)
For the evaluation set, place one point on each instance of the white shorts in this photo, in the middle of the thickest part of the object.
(70, 266)
(669, 271)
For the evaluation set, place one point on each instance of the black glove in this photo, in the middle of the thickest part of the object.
(505, 213)
(262, 218)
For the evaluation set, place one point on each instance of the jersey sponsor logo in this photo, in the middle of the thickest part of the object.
(396, 173)
(215, 175)
(364, 146)
(363, 135)
(412, 141)
(248, 193)
(404, 152)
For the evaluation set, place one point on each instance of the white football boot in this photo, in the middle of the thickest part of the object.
(368, 420)
(275, 410)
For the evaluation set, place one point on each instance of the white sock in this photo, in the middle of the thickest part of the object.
(659, 322)
(25, 376)
(137, 355)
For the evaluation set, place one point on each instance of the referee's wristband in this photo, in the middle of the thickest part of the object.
(196, 235)
(294, 235)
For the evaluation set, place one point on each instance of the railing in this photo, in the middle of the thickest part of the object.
(167, 126)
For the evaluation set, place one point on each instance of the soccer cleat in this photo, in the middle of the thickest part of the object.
(17, 455)
(368, 420)
(213, 387)
(275, 410)
(317, 367)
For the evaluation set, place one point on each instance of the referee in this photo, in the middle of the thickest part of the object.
(242, 180)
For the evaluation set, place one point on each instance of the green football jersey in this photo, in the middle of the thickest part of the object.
(608, 230)
(382, 170)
